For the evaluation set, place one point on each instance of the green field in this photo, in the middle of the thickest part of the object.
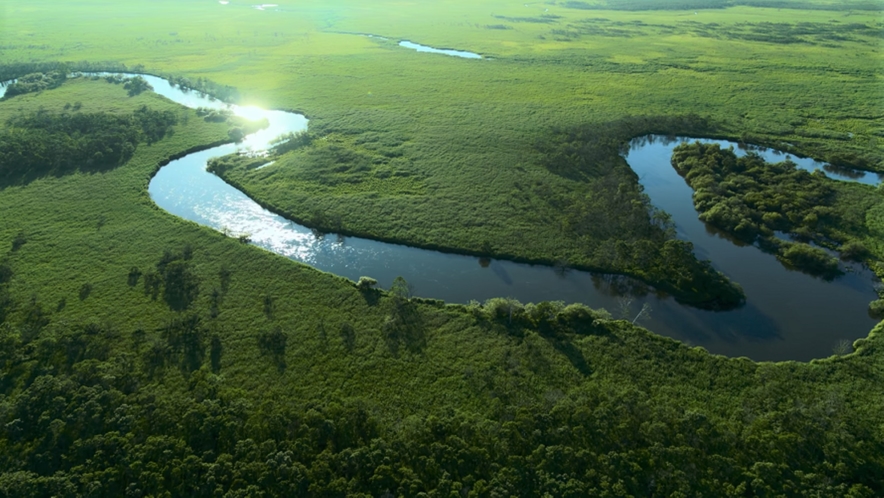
(144, 355)
(487, 156)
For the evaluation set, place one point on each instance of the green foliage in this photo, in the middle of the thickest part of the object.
(855, 251)
(366, 283)
(752, 200)
(811, 259)
(445, 400)
(876, 309)
(273, 343)
(35, 82)
(136, 85)
(181, 285)
(291, 141)
(45, 143)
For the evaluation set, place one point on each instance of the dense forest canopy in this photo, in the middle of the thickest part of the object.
(757, 201)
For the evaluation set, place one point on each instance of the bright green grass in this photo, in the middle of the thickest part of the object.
(464, 131)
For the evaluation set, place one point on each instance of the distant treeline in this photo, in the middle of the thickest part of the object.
(11, 71)
(719, 4)
(46, 143)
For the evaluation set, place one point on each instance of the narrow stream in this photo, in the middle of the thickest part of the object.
(444, 51)
(788, 315)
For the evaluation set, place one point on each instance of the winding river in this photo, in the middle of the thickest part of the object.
(788, 315)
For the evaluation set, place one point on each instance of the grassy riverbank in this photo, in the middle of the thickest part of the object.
(146, 354)
(451, 153)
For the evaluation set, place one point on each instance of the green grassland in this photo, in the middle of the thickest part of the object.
(465, 155)
(454, 154)
(276, 378)
(267, 377)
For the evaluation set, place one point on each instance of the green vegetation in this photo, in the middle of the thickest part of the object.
(35, 82)
(610, 224)
(752, 200)
(196, 365)
(143, 355)
(43, 143)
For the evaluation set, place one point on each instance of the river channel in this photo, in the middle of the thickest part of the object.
(788, 315)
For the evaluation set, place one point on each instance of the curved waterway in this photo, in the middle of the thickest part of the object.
(788, 315)
(444, 51)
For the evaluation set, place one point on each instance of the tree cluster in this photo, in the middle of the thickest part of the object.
(173, 278)
(615, 219)
(35, 82)
(77, 419)
(47, 143)
(753, 201)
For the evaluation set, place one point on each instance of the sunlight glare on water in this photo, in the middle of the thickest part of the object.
(788, 315)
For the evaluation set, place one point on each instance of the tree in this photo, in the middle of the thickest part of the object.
(181, 285)
(400, 290)
(366, 283)
(136, 85)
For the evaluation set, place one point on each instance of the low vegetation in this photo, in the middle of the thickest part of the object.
(759, 202)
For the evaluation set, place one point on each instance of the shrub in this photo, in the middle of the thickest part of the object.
(876, 309)
(811, 259)
(366, 283)
(854, 251)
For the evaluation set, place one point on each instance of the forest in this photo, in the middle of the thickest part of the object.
(82, 415)
(44, 143)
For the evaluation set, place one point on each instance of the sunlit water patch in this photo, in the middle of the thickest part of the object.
(424, 48)
(788, 315)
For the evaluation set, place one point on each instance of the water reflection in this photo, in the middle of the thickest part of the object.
(788, 315)
(424, 48)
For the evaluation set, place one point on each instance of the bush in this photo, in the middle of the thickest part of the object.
(813, 260)
(366, 283)
(876, 309)
(854, 251)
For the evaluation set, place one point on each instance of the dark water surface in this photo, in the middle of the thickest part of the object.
(788, 315)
